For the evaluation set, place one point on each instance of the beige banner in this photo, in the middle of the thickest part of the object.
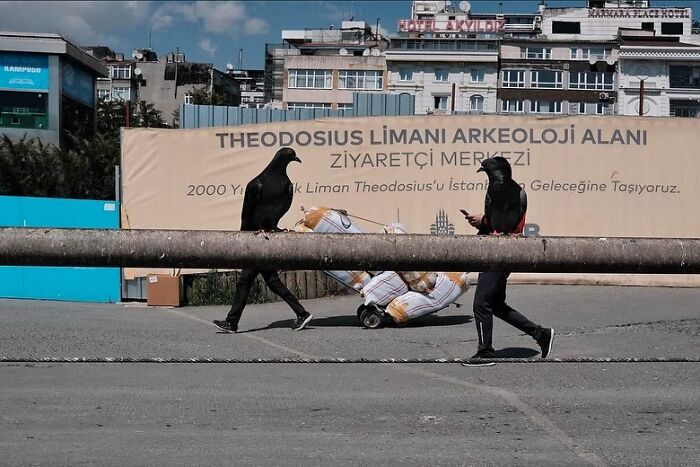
(584, 176)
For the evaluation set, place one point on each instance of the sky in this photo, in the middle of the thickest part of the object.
(214, 32)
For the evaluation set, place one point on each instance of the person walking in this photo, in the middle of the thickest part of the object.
(267, 198)
(505, 207)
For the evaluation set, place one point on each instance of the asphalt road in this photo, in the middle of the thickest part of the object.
(353, 414)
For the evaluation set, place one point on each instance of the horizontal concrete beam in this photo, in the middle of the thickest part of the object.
(289, 250)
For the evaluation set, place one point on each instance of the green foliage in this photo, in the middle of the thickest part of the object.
(217, 288)
(82, 168)
(202, 96)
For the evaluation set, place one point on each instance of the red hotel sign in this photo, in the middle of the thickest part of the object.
(455, 25)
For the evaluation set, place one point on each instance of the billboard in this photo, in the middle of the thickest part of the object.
(585, 176)
(24, 72)
(78, 84)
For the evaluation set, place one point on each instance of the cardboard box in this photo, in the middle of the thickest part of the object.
(164, 290)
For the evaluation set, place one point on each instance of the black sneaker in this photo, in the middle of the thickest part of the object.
(545, 342)
(481, 355)
(226, 326)
(301, 321)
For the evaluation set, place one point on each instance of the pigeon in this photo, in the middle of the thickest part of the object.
(268, 196)
(506, 201)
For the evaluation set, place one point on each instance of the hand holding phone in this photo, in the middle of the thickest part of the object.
(464, 211)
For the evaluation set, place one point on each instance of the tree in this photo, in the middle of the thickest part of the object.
(82, 168)
(202, 96)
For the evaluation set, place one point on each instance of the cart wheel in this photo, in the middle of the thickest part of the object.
(371, 318)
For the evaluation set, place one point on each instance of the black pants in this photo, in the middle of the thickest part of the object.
(245, 282)
(490, 301)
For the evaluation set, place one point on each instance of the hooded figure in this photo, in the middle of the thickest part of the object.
(504, 213)
(267, 198)
(506, 202)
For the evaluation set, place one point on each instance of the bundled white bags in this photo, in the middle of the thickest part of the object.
(406, 295)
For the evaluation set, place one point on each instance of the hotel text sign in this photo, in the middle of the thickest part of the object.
(639, 13)
(455, 25)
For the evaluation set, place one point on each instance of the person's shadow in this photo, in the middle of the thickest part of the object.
(515, 352)
(354, 322)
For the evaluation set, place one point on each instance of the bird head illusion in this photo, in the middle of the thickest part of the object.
(497, 169)
(284, 157)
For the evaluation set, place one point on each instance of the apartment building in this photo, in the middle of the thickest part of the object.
(545, 76)
(167, 84)
(322, 68)
(659, 77)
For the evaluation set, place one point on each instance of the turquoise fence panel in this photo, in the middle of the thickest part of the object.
(364, 105)
(59, 283)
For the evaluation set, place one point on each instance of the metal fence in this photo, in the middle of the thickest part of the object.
(364, 105)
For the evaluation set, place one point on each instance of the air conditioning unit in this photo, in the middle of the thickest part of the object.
(603, 96)
(565, 66)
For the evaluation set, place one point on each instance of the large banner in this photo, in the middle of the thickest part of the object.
(584, 176)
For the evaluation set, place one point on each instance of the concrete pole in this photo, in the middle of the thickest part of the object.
(290, 250)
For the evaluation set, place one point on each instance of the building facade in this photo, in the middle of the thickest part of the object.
(252, 84)
(47, 87)
(323, 68)
(544, 76)
(659, 75)
(167, 84)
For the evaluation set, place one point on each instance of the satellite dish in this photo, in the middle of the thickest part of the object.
(365, 53)
(377, 53)
(440, 6)
(229, 66)
(610, 61)
(593, 60)
(139, 55)
(465, 6)
(137, 71)
(343, 51)
(134, 53)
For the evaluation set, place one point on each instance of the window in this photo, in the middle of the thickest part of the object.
(345, 106)
(582, 108)
(585, 53)
(441, 102)
(104, 94)
(510, 105)
(189, 99)
(685, 109)
(310, 79)
(120, 72)
(477, 75)
(601, 108)
(361, 79)
(684, 76)
(647, 26)
(308, 105)
(405, 74)
(545, 107)
(566, 27)
(123, 94)
(513, 78)
(24, 109)
(440, 74)
(592, 80)
(537, 53)
(546, 79)
(476, 102)
(672, 28)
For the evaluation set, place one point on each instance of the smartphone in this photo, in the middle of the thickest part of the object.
(466, 214)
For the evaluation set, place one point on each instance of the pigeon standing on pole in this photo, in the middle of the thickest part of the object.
(267, 198)
(504, 214)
